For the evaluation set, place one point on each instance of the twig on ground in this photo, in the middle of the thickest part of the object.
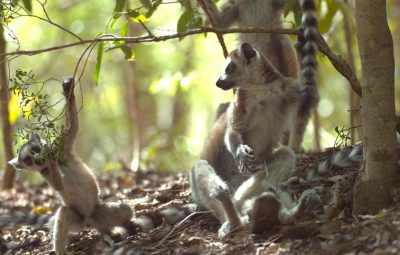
(178, 225)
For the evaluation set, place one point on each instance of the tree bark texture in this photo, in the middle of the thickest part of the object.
(9, 172)
(378, 171)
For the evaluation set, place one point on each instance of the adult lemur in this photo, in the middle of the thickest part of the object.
(277, 48)
(245, 139)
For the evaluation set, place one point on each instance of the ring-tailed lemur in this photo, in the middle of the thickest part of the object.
(72, 179)
(78, 188)
(245, 141)
(277, 48)
(344, 158)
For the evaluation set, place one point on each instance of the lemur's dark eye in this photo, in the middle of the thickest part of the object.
(36, 148)
(230, 68)
(28, 160)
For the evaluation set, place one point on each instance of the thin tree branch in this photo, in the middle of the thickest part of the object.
(148, 38)
(47, 19)
(213, 23)
(146, 28)
(340, 65)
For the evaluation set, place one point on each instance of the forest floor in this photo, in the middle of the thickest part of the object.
(332, 231)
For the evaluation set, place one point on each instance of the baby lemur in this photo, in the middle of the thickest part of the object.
(277, 48)
(72, 178)
(242, 153)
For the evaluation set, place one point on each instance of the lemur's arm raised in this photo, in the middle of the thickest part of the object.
(71, 118)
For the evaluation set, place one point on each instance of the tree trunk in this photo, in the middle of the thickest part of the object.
(9, 172)
(378, 171)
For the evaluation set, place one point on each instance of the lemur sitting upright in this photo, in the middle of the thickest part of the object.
(277, 48)
(72, 179)
(242, 153)
(243, 140)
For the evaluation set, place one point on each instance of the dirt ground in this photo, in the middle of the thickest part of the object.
(332, 231)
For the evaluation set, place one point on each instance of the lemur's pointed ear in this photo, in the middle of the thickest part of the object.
(34, 137)
(248, 51)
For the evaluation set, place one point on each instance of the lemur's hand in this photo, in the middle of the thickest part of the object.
(68, 87)
(245, 160)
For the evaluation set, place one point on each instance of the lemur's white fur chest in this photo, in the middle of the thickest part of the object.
(82, 191)
(264, 117)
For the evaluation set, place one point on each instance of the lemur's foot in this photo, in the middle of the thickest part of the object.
(68, 86)
(227, 229)
(224, 230)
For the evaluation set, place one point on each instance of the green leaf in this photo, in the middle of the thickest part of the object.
(297, 13)
(28, 5)
(114, 20)
(124, 30)
(133, 13)
(326, 22)
(184, 20)
(136, 16)
(128, 52)
(119, 5)
(196, 22)
(187, 5)
(100, 50)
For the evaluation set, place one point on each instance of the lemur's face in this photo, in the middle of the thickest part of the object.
(32, 155)
(243, 68)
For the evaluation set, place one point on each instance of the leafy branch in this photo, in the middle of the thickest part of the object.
(36, 109)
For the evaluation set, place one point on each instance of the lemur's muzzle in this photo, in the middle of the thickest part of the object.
(224, 84)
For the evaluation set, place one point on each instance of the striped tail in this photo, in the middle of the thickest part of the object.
(307, 49)
(145, 221)
(148, 221)
(342, 159)
(23, 218)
